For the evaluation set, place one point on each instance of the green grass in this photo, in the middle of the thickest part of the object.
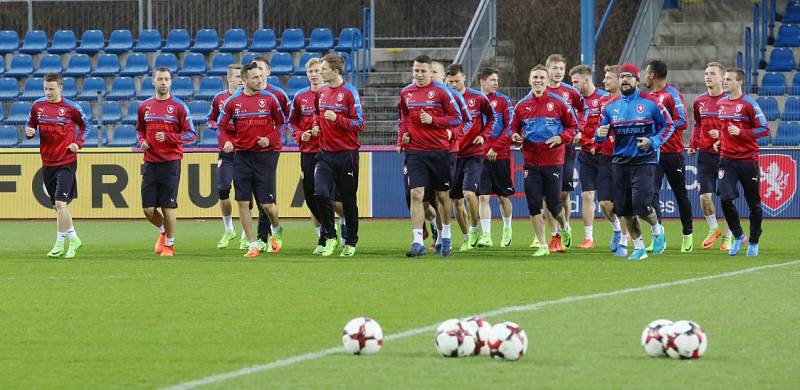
(120, 317)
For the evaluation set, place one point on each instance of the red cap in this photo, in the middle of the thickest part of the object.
(630, 69)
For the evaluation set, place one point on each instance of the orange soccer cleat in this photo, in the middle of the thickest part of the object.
(168, 251)
(711, 237)
(586, 244)
(555, 245)
(252, 252)
(160, 243)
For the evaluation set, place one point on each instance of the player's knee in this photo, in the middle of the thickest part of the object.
(417, 194)
(555, 209)
(606, 204)
(588, 196)
(149, 211)
(705, 197)
(224, 193)
(60, 205)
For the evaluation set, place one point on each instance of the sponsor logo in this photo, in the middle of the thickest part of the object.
(721, 174)
(778, 174)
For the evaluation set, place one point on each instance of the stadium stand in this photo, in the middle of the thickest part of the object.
(301, 66)
(209, 87)
(124, 135)
(79, 65)
(35, 42)
(205, 41)
(135, 65)
(9, 41)
(781, 60)
(149, 41)
(70, 88)
(321, 40)
(9, 90)
(263, 41)
(107, 65)
(234, 41)
(8, 136)
(199, 110)
(64, 41)
(93, 87)
(769, 105)
(295, 83)
(19, 112)
(130, 116)
(92, 42)
(146, 88)
(49, 63)
(281, 64)
(32, 89)
(788, 134)
(166, 60)
(21, 66)
(122, 88)
(182, 87)
(292, 40)
(194, 64)
(121, 41)
(110, 112)
(208, 138)
(178, 40)
(219, 64)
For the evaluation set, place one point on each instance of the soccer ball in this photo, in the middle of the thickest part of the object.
(507, 341)
(362, 336)
(480, 328)
(453, 340)
(654, 337)
(685, 340)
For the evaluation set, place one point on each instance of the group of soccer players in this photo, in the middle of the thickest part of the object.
(457, 143)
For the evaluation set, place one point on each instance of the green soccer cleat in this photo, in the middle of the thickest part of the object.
(566, 237)
(506, 241)
(262, 246)
(318, 250)
(276, 242)
(687, 244)
(226, 240)
(330, 246)
(649, 247)
(348, 251)
(535, 243)
(74, 244)
(243, 244)
(473, 238)
(726, 243)
(465, 246)
(541, 251)
(485, 241)
(57, 251)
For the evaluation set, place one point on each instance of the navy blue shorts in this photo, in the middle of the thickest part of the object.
(595, 175)
(224, 171)
(733, 172)
(254, 176)
(707, 172)
(496, 178)
(543, 183)
(59, 182)
(429, 169)
(633, 189)
(160, 184)
(429, 196)
(467, 177)
(568, 174)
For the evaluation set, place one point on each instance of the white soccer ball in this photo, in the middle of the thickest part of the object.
(686, 340)
(480, 328)
(654, 337)
(453, 340)
(507, 341)
(362, 336)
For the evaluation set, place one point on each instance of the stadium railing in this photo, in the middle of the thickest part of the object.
(644, 27)
(481, 34)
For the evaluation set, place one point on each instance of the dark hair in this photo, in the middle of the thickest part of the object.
(739, 73)
(335, 61)
(247, 68)
(162, 69)
(262, 59)
(454, 69)
(50, 77)
(423, 59)
(583, 70)
(658, 68)
(484, 73)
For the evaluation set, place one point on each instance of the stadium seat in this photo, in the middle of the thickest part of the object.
(208, 139)
(121, 41)
(788, 134)
(91, 139)
(281, 64)
(248, 58)
(2, 64)
(274, 80)
(107, 65)
(791, 109)
(205, 41)
(124, 135)
(178, 40)
(9, 41)
(9, 89)
(49, 63)
(79, 65)
(780, 60)
(199, 110)
(63, 42)
(769, 105)
(33, 89)
(348, 62)
(18, 113)
(792, 14)
(235, 40)
(122, 88)
(87, 110)
(219, 64)
(182, 87)
(295, 83)
(321, 40)
(92, 88)
(149, 41)
(794, 90)
(209, 87)
(166, 60)
(135, 65)
(70, 90)
(194, 64)
(263, 41)
(21, 66)
(301, 66)
(146, 88)
(92, 41)
(35, 42)
(292, 40)
(773, 84)
(8, 136)
(2, 113)
(788, 36)
(110, 112)
(130, 117)
(349, 38)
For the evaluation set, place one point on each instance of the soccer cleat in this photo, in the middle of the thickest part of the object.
(649, 247)
(446, 247)
(330, 245)
(541, 251)
(437, 247)
(243, 243)
(348, 251)
(638, 254)
(485, 241)
(506, 241)
(566, 237)
(416, 250)
(555, 245)
(276, 241)
(586, 244)
(318, 250)
(659, 244)
(752, 250)
(262, 246)
(74, 244)
(58, 250)
(687, 244)
(160, 243)
(535, 243)
(252, 252)
(712, 236)
(616, 237)
(622, 251)
(465, 246)
(473, 238)
(226, 240)
(168, 251)
(736, 246)
(726, 243)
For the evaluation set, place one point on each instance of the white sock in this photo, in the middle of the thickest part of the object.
(274, 229)
(507, 222)
(615, 225)
(638, 243)
(253, 245)
(623, 239)
(473, 229)
(244, 236)
(162, 230)
(319, 231)
(554, 233)
(728, 232)
(60, 236)
(712, 222)
(486, 225)
(228, 221)
(445, 232)
(417, 233)
(587, 233)
(658, 229)
(71, 232)
(169, 241)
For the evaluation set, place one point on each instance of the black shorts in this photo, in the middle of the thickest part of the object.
(429, 169)
(595, 175)
(160, 184)
(568, 174)
(633, 189)
(496, 178)
(429, 196)
(543, 183)
(707, 172)
(254, 176)
(733, 172)
(467, 177)
(60, 183)
(224, 171)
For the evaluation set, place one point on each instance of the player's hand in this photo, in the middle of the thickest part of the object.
(577, 138)
(602, 131)
(716, 146)
(425, 118)
(330, 115)
(691, 151)
(160, 137)
(733, 130)
(144, 146)
(491, 155)
(516, 138)
(406, 139)
(643, 144)
(228, 147)
(593, 150)
(713, 133)
(478, 140)
(398, 149)
(553, 141)
(73, 147)
(449, 134)
(263, 142)
(30, 132)
(306, 136)
(315, 131)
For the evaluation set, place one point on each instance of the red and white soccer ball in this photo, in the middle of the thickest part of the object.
(507, 341)
(453, 340)
(362, 336)
(480, 328)
(685, 340)
(654, 337)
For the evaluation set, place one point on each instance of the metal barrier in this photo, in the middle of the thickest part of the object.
(481, 34)
(644, 27)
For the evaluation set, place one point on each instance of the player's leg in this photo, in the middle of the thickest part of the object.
(472, 176)
(150, 196)
(642, 200)
(567, 178)
(503, 187)
(728, 192)
(462, 217)
(605, 197)
(324, 179)
(224, 179)
(551, 190)
(533, 195)
(707, 171)
(484, 197)
(346, 183)
(623, 207)
(675, 171)
(307, 162)
(243, 181)
(168, 183)
(749, 176)
(588, 169)
(658, 183)
(266, 179)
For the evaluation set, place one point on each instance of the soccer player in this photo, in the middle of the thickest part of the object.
(253, 119)
(671, 163)
(225, 159)
(496, 174)
(163, 125)
(340, 119)
(428, 112)
(57, 119)
(742, 124)
(545, 124)
(471, 149)
(639, 124)
(707, 130)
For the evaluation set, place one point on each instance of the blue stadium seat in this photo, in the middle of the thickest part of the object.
(263, 41)
(107, 65)
(33, 89)
(9, 41)
(219, 64)
(166, 60)
(92, 139)
(92, 88)
(9, 136)
(791, 109)
(769, 105)
(35, 42)
(349, 38)
(301, 66)
(49, 63)
(208, 139)
(21, 66)
(110, 112)
(149, 41)
(135, 65)
(199, 110)
(321, 40)
(146, 88)
(248, 58)
(9, 89)
(122, 88)
(18, 113)
(281, 64)
(178, 40)
(274, 80)
(124, 135)
(209, 87)
(794, 90)
(70, 90)
(295, 83)
(92, 41)
(348, 62)
(130, 117)
(788, 134)
(792, 14)
(292, 40)
(121, 41)
(194, 64)
(788, 36)
(79, 65)
(205, 41)
(235, 41)
(63, 42)
(781, 60)
(2, 113)
(773, 84)
(182, 87)
(2, 64)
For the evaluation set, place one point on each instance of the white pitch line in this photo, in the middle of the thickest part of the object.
(504, 310)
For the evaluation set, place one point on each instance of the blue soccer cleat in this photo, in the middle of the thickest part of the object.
(752, 250)
(615, 239)
(659, 243)
(446, 247)
(416, 250)
(736, 246)
(638, 254)
(622, 251)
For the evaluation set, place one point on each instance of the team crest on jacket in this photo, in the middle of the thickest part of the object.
(640, 108)
(565, 95)
(550, 106)
(739, 107)
(471, 102)
(494, 104)
(61, 111)
(170, 109)
(340, 96)
(431, 94)
(778, 175)
(262, 103)
(594, 103)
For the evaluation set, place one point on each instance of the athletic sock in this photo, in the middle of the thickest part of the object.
(486, 225)
(417, 233)
(253, 245)
(658, 229)
(445, 232)
(71, 232)
(728, 232)
(169, 241)
(507, 222)
(473, 229)
(712, 222)
(623, 239)
(60, 236)
(319, 231)
(638, 243)
(274, 229)
(616, 225)
(587, 233)
(228, 221)
(161, 229)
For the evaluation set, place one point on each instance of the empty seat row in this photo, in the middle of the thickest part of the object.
(775, 84)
